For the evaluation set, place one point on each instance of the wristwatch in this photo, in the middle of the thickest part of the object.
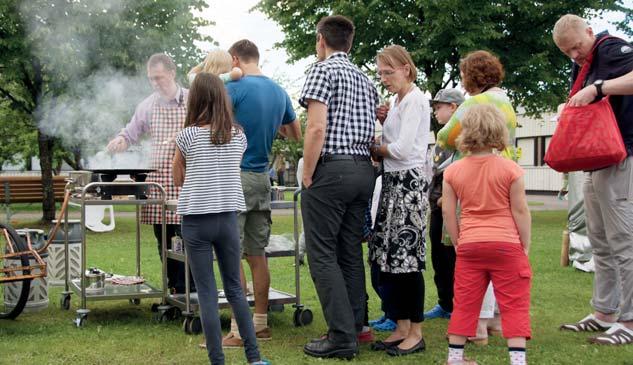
(598, 84)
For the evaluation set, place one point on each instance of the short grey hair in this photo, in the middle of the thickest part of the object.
(162, 58)
(565, 24)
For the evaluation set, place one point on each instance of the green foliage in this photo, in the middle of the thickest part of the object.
(48, 47)
(292, 151)
(438, 33)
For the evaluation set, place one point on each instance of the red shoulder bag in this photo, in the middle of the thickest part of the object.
(586, 137)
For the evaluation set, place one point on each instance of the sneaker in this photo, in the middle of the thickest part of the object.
(261, 362)
(386, 326)
(437, 312)
(231, 341)
(377, 321)
(366, 336)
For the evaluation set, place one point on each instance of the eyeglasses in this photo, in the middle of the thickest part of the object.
(388, 73)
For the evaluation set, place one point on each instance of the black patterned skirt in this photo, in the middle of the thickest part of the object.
(398, 243)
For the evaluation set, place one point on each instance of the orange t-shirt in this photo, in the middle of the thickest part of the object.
(482, 185)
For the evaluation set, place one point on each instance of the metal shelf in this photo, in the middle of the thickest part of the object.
(114, 291)
(274, 297)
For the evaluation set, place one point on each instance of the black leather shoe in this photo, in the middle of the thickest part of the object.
(384, 345)
(397, 351)
(325, 348)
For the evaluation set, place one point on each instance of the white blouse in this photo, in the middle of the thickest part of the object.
(406, 131)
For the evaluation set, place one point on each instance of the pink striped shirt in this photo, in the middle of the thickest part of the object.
(139, 124)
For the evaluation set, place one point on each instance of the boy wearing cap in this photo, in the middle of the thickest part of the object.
(444, 105)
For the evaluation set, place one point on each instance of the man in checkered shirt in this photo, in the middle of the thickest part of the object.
(338, 180)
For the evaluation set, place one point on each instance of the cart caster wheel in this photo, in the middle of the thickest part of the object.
(164, 317)
(135, 301)
(64, 302)
(175, 313)
(302, 317)
(80, 321)
(194, 326)
(185, 325)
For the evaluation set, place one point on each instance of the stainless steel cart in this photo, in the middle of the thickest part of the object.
(187, 303)
(83, 196)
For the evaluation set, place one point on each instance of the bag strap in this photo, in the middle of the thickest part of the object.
(584, 70)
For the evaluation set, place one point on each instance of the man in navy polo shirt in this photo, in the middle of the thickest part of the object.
(609, 191)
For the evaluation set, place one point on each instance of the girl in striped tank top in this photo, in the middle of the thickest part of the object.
(207, 166)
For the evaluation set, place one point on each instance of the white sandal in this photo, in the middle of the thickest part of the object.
(587, 324)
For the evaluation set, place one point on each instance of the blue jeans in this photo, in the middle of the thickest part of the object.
(202, 234)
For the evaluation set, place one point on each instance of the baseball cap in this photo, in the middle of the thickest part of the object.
(448, 96)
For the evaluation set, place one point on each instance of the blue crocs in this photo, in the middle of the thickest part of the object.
(437, 312)
(377, 321)
(386, 326)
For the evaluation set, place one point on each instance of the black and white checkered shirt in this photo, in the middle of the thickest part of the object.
(351, 99)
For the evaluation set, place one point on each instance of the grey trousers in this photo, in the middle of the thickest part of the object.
(609, 207)
(202, 234)
(333, 211)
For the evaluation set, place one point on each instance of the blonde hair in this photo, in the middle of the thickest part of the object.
(565, 24)
(483, 127)
(396, 56)
(217, 62)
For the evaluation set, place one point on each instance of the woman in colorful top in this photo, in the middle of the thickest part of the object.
(492, 236)
(481, 74)
(207, 166)
(397, 246)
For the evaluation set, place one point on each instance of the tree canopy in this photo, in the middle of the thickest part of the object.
(438, 33)
(49, 48)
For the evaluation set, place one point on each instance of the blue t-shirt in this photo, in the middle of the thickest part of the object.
(261, 107)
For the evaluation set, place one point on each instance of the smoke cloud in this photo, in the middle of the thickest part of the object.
(85, 112)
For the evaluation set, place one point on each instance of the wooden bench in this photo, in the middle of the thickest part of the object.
(27, 189)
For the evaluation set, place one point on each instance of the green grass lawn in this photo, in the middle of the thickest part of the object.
(119, 333)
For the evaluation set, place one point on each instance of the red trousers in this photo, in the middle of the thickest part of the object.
(509, 269)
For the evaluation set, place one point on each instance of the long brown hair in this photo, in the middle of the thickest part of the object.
(209, 104)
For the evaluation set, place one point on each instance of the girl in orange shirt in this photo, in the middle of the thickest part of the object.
(492, 236)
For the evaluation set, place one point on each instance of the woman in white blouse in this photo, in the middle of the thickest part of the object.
(398, 244)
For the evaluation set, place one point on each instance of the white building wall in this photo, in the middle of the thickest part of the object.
(539, 178)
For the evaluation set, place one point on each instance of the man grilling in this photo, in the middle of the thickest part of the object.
(161, 115)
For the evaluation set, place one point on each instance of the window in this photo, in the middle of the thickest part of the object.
(528, 149)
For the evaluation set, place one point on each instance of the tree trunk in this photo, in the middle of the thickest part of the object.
(46, 165)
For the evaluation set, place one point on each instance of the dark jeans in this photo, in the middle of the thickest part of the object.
(443, 259)
(175, 269)
(333, 211)
(403, 295)
(202, 234)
